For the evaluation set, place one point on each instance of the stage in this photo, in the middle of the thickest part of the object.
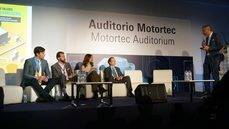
(178, 112)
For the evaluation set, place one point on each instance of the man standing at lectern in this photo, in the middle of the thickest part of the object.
(212, 46)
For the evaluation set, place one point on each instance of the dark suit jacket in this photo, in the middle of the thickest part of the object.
(29, 70)
(108, 74)
(215, 45)
(56, 70)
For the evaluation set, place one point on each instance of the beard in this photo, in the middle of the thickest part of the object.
(63, 61)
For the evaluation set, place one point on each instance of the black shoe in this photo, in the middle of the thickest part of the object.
(51, 99)
(41, 100)
(65, 97)
(130, 94)
(205, 95)
(95, 96)
(82, 97)
(102, 90)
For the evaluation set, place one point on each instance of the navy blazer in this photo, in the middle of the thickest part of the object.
(215, 45)
(108, 74)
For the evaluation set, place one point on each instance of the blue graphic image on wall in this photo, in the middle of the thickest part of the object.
(121, 62)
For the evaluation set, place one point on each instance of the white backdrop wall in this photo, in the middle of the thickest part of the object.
(68, 30)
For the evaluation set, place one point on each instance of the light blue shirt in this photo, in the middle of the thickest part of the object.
(114, 72)
(38, 65)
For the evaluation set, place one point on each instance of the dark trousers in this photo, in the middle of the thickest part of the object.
(94, 77)
(210, 67)
(127, 81)
(63, 81)
(43, 93)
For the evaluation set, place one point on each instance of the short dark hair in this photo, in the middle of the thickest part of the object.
(58, 54)
(38, 49)
(109, 60)
(210, 26)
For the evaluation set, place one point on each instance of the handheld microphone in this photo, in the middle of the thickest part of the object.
(203, 43)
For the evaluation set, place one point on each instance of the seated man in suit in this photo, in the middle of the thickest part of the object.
(114, 74)
(62, 70)
(36, 73)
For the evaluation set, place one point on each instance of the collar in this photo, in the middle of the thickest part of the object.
(112, 66)
(61, 64)
(210, 35)
(37, 58)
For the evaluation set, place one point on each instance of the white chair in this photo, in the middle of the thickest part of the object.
(88, 88)
(118, 89)
(19, 76)
(165, 77)
(136, 77)
(89, 93)
(12, 94)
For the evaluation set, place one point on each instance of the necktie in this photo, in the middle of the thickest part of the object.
(114, 72)
(207, 42)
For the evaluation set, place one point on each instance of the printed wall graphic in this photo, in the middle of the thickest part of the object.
(15, 36)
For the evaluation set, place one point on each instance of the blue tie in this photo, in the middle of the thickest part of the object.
(38, 65)
(114, 73)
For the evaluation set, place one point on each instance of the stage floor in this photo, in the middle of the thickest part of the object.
(124, 114)
(89, 103)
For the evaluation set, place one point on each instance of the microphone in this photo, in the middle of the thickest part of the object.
(203, 43)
